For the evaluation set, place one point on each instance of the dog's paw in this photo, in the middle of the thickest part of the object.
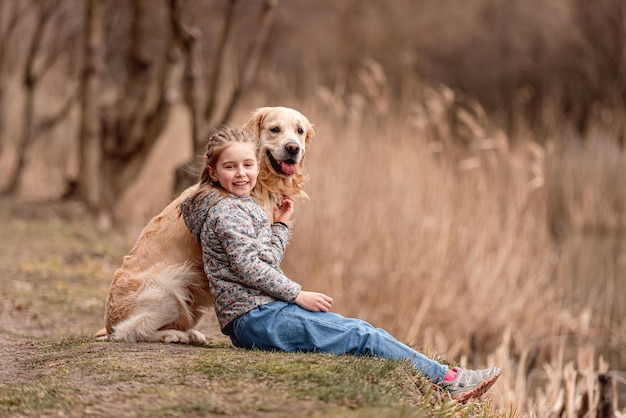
(174, 336)
(196, 337)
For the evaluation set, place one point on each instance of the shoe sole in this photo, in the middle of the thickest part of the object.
(479, 390)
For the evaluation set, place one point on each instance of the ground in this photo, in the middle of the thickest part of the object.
(55, 270)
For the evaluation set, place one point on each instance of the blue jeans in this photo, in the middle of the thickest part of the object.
(288, 327)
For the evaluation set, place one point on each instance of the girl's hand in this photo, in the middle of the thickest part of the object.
(314, 301)
(283, 212)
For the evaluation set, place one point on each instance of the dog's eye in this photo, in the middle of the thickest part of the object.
(300, 131)
(275, 129)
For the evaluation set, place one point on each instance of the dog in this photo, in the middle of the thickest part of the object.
(286, 136)
(161, 291)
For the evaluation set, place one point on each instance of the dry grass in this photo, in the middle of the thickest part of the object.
(469, 243)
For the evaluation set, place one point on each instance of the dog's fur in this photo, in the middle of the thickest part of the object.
(160, 292)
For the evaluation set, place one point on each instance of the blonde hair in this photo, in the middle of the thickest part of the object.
(220, 139)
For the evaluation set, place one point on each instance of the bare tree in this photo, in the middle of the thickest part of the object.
(213, 112)
(123, 112)
(116, 137)
(43, 50)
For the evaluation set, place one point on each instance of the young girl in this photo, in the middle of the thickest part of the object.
(256, 304)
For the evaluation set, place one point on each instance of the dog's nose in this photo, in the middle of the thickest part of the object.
(292, 148)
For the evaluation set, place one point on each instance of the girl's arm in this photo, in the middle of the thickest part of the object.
(280, 238)
(237, 235)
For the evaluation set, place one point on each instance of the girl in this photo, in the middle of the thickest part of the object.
(256, 304)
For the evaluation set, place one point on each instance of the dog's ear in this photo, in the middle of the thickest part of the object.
(310, 133)
(254, 124)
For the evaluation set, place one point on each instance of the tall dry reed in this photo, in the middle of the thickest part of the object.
(441, 230)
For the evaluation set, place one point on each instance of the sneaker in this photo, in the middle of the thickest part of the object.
(470, 384)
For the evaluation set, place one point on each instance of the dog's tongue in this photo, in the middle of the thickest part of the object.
(288, 168)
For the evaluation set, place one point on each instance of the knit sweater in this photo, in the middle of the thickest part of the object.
(241, 253)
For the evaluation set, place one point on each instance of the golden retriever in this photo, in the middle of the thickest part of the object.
(160, 292)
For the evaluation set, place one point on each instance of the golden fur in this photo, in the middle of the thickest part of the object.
(160, 292)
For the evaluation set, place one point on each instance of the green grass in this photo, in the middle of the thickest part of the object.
(49, 393)
(72, 374)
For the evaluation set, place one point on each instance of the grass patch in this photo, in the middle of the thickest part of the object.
(48, 393)
(178, 380)
(322, 377)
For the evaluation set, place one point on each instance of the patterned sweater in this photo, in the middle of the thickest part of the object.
(241, 253)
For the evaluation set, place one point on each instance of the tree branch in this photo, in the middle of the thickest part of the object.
(219, 63)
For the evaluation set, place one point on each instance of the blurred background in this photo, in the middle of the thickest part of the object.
(466, 181)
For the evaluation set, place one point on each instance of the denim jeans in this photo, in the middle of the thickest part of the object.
(288, 327)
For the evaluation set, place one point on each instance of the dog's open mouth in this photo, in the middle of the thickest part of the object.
(286, 167)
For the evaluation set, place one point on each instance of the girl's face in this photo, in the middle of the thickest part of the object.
(237, 169)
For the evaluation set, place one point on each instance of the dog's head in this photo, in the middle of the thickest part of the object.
(285, 137)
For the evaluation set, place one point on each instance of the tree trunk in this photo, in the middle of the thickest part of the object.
(142, 111)
(6, 33)
(30, 79)
(90, 149)
(187, 40)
